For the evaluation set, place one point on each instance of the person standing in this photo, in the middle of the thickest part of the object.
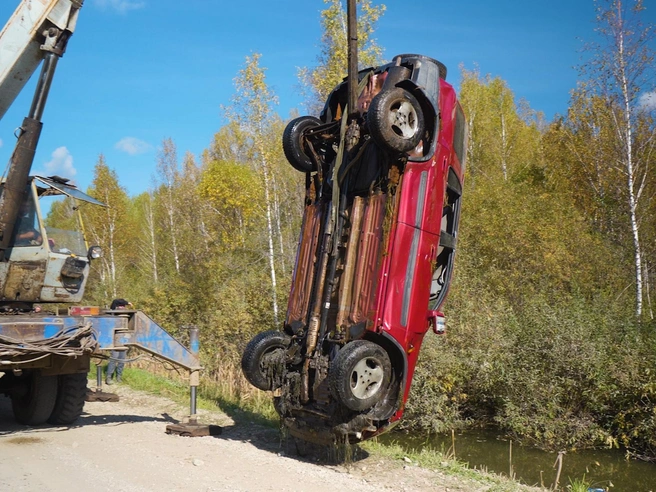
(117, 357)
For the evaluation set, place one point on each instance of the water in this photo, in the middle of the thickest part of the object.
(488, 451)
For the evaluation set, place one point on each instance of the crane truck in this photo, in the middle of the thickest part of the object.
(44, 355)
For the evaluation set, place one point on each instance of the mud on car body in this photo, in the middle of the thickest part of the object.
(375, 253)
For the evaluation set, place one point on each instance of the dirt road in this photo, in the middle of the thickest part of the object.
(123, 447)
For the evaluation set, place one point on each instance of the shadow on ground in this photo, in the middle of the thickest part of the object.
(269, 436)
(9, 426)
(248, 427)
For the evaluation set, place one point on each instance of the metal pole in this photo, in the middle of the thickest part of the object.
(192, 404)
(194, 346)
(99, 377)
(352, 84)
(43, 86)
(13, 193)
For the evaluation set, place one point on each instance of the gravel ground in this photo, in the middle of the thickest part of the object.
(123, 447)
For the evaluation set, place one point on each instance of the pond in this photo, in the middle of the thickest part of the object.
(489, 451)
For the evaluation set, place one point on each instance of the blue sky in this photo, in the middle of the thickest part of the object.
(138, 71)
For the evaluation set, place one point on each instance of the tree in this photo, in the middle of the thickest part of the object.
(167, 169)
(108, 226)
(233, 192)
(503, 138)
(621, 67)
(147, 241)
(319, 81)
(251, 110)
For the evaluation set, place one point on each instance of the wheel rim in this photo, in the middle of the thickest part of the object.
(366, 378)
(403, 119)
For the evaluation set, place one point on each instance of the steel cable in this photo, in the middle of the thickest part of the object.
(74, 341)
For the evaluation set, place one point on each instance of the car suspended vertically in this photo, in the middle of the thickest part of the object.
(375, 254)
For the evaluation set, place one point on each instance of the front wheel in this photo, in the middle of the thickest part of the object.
(360, 375)
(34, 401)
(396, 121)
(263, 361)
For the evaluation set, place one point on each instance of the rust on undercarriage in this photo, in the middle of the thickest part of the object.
(368, 259)
(301, 292)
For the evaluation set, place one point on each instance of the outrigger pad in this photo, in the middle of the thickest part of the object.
(191, 429)
(98, 395)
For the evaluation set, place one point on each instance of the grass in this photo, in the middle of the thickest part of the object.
(437, 461)
(239, 401)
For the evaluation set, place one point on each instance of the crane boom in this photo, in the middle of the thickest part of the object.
(22, 38)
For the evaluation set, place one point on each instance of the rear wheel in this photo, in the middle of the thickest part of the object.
(34, 401)
(396, 121)
(70, 399)
(360, 375)
(293, 143)
(263, 361)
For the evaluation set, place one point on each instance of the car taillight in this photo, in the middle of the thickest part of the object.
(437, 321)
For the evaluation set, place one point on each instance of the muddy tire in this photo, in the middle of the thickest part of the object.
(360, 375)
(34, 405)
(396, 121)
(292, 143)
(70, 399)
(263, 359)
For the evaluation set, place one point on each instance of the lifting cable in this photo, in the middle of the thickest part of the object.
(74, 341)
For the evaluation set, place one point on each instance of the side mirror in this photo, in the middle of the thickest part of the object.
(437, 321)
(94, 252)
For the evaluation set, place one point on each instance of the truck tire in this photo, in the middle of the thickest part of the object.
(263, 357)
(396, 121)
(360, 375)
(70, 399)
(34, 405)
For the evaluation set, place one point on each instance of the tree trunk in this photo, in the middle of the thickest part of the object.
(150, 222)
(504, 143)
(272, 267)
(630, 172)
(276, 209)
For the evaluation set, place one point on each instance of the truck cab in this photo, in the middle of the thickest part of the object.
(48, 259)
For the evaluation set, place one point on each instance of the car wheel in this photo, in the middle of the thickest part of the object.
(264, 359)
(396, 121)
(293, 145)
(70, 399)
(33, 403)
(360, 375)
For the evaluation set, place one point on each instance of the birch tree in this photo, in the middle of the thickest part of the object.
(107, 226)
(167, 171)
(500, 138)
(147, 240)
(620, 71)
(251, 109)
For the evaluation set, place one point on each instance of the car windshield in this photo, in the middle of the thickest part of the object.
(62, 225)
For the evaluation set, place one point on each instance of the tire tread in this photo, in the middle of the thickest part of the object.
(70, 399)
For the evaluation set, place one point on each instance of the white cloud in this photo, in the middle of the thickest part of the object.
(648, 101)
(120, 6)
(0, 142)
(61, 164)
(132, 146)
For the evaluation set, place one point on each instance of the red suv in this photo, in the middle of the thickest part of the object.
(375, 253)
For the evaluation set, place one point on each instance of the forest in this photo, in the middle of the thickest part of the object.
(550, 317)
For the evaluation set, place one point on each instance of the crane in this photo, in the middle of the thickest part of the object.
(44, 356)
